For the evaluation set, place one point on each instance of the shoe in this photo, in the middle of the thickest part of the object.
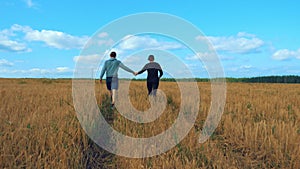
(112, 106)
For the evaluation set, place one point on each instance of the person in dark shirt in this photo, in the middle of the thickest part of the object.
(152, 79)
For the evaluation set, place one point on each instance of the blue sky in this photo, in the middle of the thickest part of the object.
(253, 38)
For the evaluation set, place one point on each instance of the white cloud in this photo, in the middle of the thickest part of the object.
(241, 43)
(102, 35)
(204, 56)
(12, 46)
(99, 40)
(97, 58)
(87, 65)
(20, 28)
(285, 54)
(209, 56)
(10, 39)
(245, 34)
(4, 62)
(88, 59)
(132, 42)
(38, 72)
(56, 39)
(107, 42)
(29, 3)
(62, 69)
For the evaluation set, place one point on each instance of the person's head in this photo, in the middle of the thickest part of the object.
(113, 54)
(151, 58)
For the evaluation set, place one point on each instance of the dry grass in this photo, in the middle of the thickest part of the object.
(260, 128)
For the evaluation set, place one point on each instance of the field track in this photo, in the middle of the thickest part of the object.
(260, 127)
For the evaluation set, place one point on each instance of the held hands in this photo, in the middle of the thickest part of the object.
(135, 73)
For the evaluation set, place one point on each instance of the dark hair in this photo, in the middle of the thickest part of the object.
(151, 58)
(113, 54)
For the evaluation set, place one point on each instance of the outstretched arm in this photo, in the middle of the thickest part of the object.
(142, 71)
(126, 68)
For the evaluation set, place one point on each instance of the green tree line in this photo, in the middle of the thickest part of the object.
(261, 79)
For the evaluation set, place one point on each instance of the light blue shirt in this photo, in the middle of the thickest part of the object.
(111, 67)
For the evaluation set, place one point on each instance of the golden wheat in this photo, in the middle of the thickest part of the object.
(260, 127)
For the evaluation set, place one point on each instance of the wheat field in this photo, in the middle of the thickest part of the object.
(260, 127)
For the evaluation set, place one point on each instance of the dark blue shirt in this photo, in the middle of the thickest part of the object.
(152, 68)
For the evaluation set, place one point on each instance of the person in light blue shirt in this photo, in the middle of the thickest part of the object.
(111, 67)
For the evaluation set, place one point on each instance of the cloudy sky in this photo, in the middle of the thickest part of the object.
(46, 38)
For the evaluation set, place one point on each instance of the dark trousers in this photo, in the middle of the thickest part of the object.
(112, 83)
(152, 87)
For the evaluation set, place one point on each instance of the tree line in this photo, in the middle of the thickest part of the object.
(267, 79)
(260, 79)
